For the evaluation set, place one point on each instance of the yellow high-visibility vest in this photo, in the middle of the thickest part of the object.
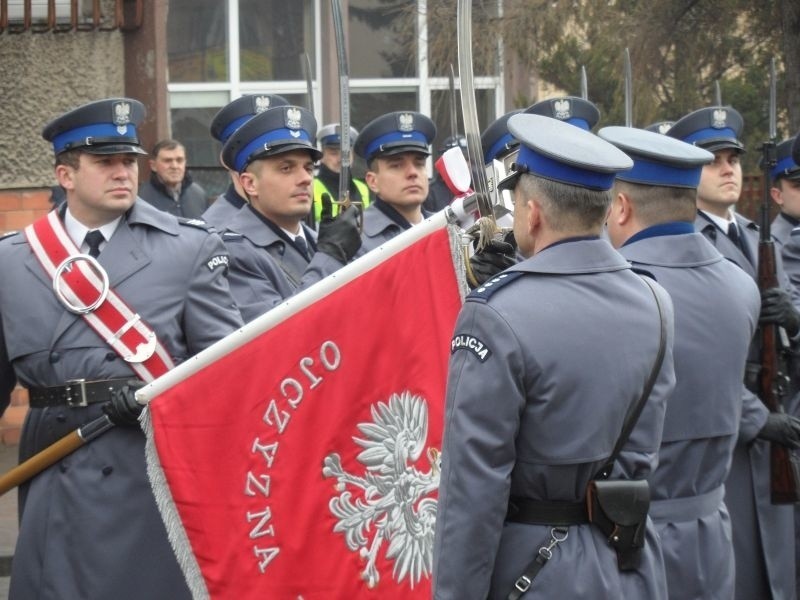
(319, 189)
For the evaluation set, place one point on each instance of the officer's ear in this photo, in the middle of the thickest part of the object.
(248, 181)
(65, 176)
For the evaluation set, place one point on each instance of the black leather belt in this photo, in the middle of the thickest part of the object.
(544, 512)
(75, 393)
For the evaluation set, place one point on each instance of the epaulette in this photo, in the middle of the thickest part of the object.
(485, 291)
(199, 223)
(231, 236)
(8, 234)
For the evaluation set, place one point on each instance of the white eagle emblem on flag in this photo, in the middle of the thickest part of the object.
(293, 117)
(664, 128)
(122, 116)
(261, 103)
(561, 108)
(719, 118)
(392, 501)
(406, 122)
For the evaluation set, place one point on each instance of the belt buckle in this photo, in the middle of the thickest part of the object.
(75, 390)
(523, 584)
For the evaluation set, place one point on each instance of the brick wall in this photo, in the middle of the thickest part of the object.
(18, 209)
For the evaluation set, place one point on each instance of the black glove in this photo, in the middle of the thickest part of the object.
(783, 429)
(123, 409)
(777, 308)
(498, 255)
(339, 237)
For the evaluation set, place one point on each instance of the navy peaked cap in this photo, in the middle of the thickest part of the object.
(101, 127)
(658, 159)
(571, 109)
(331, 135)
(558, 151)
(231, 116)
(395, 133)
(713, 128)
(787, 165)
(274, 131)
(496, 140)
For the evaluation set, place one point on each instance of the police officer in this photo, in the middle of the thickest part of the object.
(716, 312)
(273, 253)
(395, 147)
(546, 360)
(499, 145)
(89, 526)
(227, 120)
(171, 187)
(330, 166)
(785, 191)
(761, 531)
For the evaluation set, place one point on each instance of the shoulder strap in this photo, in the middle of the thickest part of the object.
(81, 285)
(635, 410)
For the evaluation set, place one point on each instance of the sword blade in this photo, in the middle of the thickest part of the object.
(773, 113)
(306, 62)
(584, 84)
(469, 109)
(628, 90)
(344, 100)
(453, 104)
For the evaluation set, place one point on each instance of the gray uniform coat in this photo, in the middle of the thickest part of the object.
(570, 336)
(781, 227)
(762, 532)
(224, 208)
(89, 524)
(709, 295)
(379, 228)
(264, 269)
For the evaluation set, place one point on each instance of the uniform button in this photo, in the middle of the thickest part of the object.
(111, 356)
(107, 470)
(61, 417)
(54, 357)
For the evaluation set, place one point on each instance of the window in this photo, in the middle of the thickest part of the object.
(221, 49)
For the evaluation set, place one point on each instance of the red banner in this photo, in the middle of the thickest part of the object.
(304, 463)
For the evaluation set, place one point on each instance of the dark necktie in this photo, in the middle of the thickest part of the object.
(733, 234)
(302, 246)
(93, 239)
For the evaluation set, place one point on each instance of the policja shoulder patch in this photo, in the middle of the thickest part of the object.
(220, 260)
(471, 344)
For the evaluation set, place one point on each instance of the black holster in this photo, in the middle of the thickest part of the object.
(619, 510)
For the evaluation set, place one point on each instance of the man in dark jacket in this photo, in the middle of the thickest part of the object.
(171, 188)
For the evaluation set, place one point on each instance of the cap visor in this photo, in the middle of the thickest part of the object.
(717, 145)
(391, 151)
(509, 182)
(112, 149)
(283, 148)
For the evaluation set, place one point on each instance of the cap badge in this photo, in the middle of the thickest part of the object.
(718, 119)
(406, 122)
(293, 118)
(122, 116)
(261, 103)
(562, 109)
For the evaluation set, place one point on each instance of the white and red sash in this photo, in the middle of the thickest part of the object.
(80, 285)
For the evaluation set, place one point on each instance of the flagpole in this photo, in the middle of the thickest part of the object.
(292, 305)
